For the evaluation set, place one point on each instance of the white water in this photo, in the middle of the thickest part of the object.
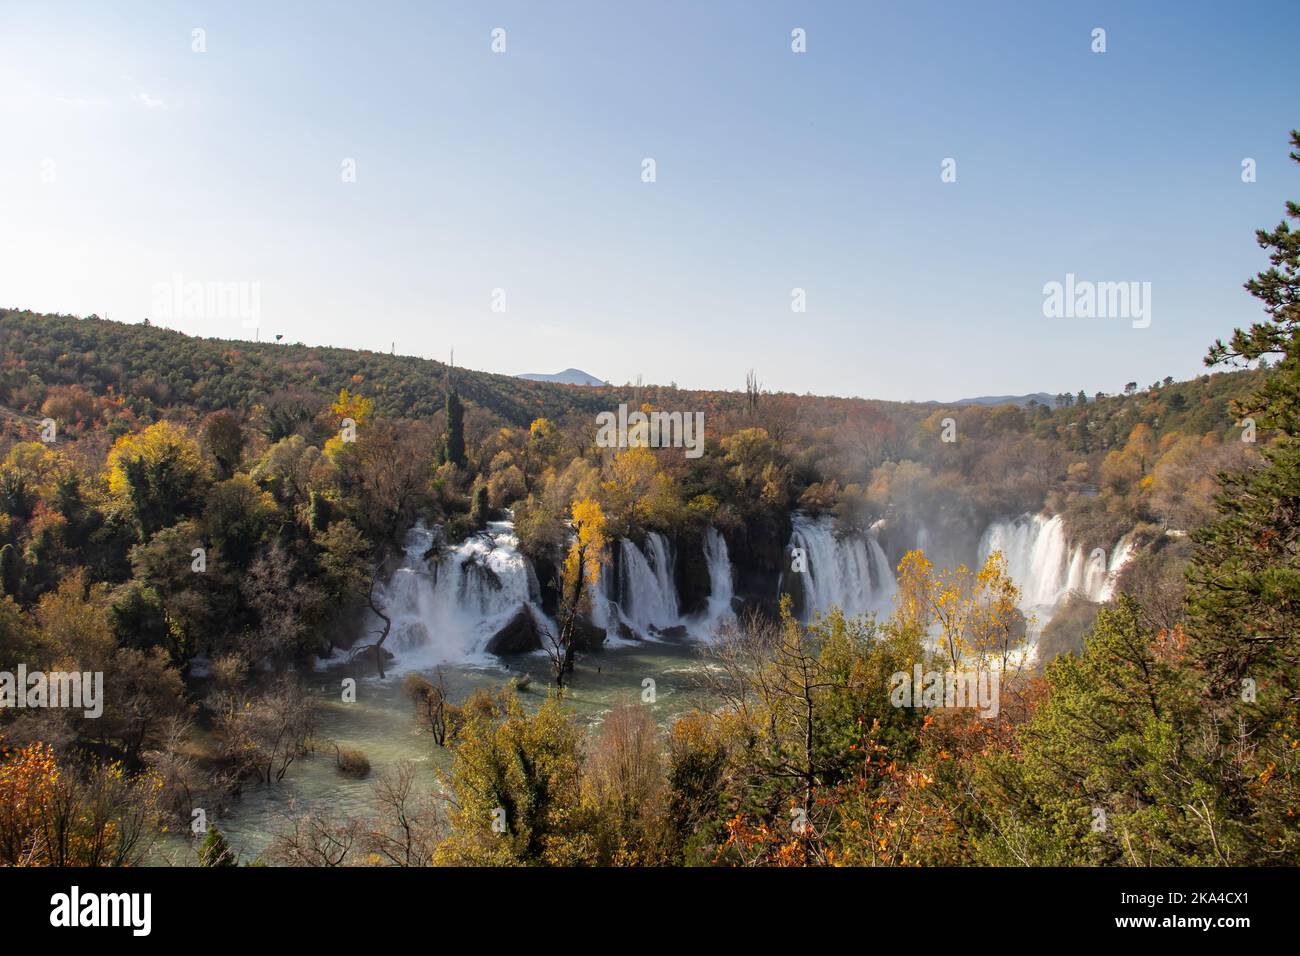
(1035, 550)
(647, 591)
(446, 609)
(643, 599)
(1118, 558)
(721, 587)
(1045, 567)
(848, 571)
(642, 596)
(923, 538)
(853, 573)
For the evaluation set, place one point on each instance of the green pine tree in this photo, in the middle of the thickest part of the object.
(1108, 766)
(1245, 577)
(215, 851)
(1244, 581)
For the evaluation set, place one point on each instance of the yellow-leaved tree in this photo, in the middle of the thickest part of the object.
(160, 473)
(581, 572)
(975, 614)
(352, 405)
(350, 411)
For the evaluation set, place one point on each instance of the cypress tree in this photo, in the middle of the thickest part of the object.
(455, 439)
(10, 571)
(321, 512)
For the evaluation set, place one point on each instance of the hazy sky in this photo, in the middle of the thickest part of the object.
(128, 159)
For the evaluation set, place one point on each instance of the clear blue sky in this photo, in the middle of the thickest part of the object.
(522, 171)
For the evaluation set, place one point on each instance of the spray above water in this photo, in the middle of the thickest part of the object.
(446, 607)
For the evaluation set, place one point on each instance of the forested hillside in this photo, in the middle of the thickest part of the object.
(152, 369)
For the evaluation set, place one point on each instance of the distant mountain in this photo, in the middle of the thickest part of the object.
(1041, 397)
(570, 376)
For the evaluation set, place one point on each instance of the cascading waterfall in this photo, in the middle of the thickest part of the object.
(852, 572)
(1044, 566)
(1035, 551)
(721, 587)
(1118, 558)
(647, 594)
(447, 609)
(641, 602)
(642, 597)
(849, 571)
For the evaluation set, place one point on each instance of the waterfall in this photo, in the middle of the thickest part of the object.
(1044, 566)
(647, 593)
(1119, 557)
(1035, 551)
(721, 587)
(923, 538)
(445, 610)
(640, 602)
(847, 571)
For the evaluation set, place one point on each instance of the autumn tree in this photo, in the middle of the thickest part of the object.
(408, 824)
(353, 407)
(237, 517)
(159, 473)
(976, 614)
(582, 567)
(794, 698)
(224, 439)
(540, 445)
(65, 814)
(261, 735)
(515, 788)
(623, 778)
